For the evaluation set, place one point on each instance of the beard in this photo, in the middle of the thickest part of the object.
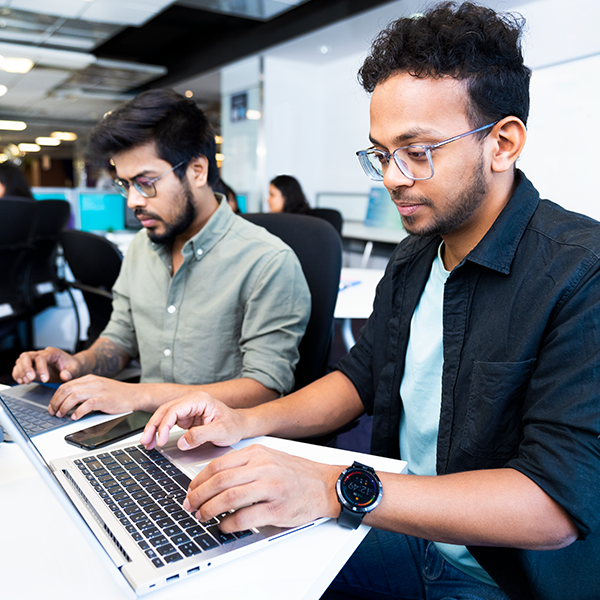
(459, 212)
(181, 222)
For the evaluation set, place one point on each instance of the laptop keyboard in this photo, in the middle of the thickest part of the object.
(145, 491)
(33, 420)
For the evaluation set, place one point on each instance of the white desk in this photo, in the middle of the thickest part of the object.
(355, 298)
(48, 552)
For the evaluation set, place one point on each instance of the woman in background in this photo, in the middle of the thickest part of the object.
(13, 182)
(286, 195)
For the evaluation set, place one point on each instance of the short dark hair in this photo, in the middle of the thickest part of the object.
(291, 190)
(467, 42)
(175, 124)
(14, 182)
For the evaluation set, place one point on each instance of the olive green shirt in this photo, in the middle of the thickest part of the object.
(237, 307)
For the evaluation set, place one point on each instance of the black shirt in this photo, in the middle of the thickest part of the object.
(521, 374)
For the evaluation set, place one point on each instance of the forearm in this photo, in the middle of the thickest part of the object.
(236, 393)
(103, 358)
(319, 408)
(499, 507)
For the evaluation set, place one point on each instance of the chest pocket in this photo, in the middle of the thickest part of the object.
(494, 421)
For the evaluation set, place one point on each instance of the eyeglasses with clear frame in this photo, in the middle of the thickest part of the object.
(414, 161)
(144, 185)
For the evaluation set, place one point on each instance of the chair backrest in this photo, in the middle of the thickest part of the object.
(52, 218)
(95, 263)
(17, 220)
(319, 250)
(329, 214)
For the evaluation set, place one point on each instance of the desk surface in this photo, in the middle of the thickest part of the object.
(49, 551)
(358, 231)
(357, 292)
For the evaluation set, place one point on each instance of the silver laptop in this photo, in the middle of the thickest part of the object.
(29, 405)
(131, 500)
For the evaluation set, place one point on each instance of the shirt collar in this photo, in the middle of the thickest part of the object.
(498, 247)
(217, 226)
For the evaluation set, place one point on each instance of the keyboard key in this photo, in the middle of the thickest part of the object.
(171, 558)
(166, 549)
(223, 538)
(206, 542)
(189, 549)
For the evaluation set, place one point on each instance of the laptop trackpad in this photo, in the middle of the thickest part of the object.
(192, 461)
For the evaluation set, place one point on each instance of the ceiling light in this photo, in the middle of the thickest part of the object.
(3, 158)
(16, 65)
(65, 136)
(253, 115)
(3, 90)
(13, 125)
(29, 148)
(47, 141)
(218, 139)
(324, 49)
(219, 157)
(189, 94)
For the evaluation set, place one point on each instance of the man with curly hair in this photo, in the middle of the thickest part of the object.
(480, 361)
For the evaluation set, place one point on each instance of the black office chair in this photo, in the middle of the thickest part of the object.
(329, 214)
(43, 277)
(17, 222)
(95, 263)
(319, 249)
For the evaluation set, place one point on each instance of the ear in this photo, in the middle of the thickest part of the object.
(198, 171)
(508, 137)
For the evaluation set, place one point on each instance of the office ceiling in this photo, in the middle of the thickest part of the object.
(89, 55)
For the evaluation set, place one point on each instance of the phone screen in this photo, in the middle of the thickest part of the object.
(110, 431)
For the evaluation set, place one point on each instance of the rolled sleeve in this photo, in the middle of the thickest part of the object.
(276, 315)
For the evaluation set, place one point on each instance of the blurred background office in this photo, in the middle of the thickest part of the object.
(277, 79)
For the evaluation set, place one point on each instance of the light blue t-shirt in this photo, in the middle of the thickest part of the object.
(421, 394)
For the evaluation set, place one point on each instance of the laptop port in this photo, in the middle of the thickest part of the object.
(172, 578)
(193, 570)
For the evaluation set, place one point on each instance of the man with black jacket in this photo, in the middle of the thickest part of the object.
(480, 362)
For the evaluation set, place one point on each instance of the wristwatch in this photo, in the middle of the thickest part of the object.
(359, 492)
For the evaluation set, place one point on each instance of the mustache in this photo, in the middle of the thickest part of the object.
(143, 216)
(402, 196)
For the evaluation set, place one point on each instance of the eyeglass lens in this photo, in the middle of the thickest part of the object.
(143, 185)
(413, 161)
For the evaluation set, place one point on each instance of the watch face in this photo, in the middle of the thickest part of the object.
(360, 489)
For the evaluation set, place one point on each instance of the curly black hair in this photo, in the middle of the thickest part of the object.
(467, 42)
(175, 124)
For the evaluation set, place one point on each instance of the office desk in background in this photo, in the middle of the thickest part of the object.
(355, 298)
(47, 551)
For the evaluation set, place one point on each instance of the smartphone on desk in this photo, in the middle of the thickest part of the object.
(108, 432)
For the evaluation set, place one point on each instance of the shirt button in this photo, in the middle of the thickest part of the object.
(171, 309)
(199, 252)
(167, 352)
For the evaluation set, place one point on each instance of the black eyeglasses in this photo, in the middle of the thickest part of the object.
(414, 161)
(144, 185)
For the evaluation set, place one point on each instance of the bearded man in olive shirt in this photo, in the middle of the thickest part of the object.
(206, 300)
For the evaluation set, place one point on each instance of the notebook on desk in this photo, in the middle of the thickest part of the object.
(131, 500)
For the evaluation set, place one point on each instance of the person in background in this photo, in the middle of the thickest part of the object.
(13, 182)
(286, 195)
(231, 196)
(205, 300)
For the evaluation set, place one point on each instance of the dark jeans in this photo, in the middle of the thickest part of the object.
(390, 565)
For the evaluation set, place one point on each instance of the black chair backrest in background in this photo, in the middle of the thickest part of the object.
(17, 222)
(329, 214)
(52, 219)
(95, 263)
(319, 250)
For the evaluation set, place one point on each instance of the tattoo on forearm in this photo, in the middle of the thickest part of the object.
(109, 358)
